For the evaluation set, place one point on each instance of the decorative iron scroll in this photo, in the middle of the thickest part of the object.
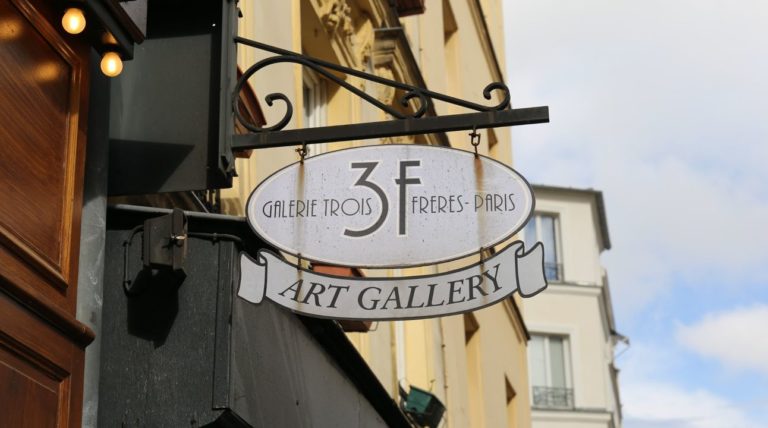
(425, 96)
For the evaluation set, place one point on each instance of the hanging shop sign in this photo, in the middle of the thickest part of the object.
(387, 206)
(326, 296)
(390, 206)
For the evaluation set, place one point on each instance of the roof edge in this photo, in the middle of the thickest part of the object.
(599, 203)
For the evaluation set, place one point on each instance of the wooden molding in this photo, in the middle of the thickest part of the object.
(41, 371)
(45, 111)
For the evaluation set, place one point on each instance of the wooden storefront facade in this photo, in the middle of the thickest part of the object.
(44, 77)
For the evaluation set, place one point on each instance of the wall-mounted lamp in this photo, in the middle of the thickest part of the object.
(421, 406)
(111, 31)
(111, 64)
(73, 20)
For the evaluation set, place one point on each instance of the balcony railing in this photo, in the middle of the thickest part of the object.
(545, 397)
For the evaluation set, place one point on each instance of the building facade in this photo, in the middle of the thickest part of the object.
(573, 377)
(50, 119)
(475, 364)
(93, 332)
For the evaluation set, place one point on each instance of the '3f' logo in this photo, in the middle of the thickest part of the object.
(401, 182)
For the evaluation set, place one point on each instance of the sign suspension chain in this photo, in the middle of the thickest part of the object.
(474, 139)
(302, 151)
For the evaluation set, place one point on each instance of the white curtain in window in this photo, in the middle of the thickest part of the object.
(548, 239)
(557, 362)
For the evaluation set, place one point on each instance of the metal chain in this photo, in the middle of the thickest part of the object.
(303, 151)
(474, 139)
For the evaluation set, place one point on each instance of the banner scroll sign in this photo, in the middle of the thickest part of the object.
(325, 296)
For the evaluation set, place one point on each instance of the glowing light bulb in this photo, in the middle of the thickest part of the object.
(111, 64)
(73, 21)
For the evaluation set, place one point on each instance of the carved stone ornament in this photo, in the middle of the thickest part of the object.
(386, 94)
(337, 19)
(364, 40)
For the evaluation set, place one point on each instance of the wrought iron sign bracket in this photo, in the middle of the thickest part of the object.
(499, 115)
(165, 241)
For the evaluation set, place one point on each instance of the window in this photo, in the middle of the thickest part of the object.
(543, 228)
(550, 371)
(313, 94)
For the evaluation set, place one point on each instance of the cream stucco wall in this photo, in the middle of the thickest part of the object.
(579, 234)
(468, 377)
(575, 311)
(578, 309)
(464, 65)
(556, 419)
(261, 21)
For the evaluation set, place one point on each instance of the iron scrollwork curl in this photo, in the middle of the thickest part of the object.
(425, 96)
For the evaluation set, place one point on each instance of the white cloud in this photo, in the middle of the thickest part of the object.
(671, 215)
(659, 104)
(661, 111)
(651, 399)
(659, 404)
(734, 338)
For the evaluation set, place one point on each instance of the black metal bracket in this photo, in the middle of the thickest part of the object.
(403, 124)
(165, 241)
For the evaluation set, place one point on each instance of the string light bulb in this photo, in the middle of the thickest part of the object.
(73, 20)
(111, 64)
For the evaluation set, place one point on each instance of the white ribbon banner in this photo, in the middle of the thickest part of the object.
(326, 296)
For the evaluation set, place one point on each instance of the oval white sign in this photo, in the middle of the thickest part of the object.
(390, 206)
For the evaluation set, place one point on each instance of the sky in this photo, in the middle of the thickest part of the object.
(661, 105)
